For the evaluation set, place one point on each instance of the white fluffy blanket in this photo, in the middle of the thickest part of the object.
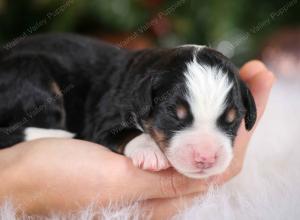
(268, 187)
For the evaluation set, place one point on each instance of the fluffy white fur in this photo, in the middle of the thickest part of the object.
(207, 88)
(32, 133)
(267, 188)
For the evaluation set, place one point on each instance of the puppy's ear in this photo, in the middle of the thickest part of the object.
(249, 103)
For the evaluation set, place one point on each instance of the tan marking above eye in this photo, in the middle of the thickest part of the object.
(55, 89)
(231, 115)
(181, 112)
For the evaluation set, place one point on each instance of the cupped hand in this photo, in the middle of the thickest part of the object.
(65, 175)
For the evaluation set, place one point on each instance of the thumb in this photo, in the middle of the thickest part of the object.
(260, 81)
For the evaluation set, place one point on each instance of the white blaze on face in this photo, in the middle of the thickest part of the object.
(202, 150)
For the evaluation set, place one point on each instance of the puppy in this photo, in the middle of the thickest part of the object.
(177, 107)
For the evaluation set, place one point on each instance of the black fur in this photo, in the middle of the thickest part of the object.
(104, 91)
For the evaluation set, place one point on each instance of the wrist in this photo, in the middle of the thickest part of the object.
(18, 183)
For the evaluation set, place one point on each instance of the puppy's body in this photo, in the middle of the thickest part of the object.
(172, 101)
(87, 72)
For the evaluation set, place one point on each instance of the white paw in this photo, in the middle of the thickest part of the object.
(146, 154)
(32, 133)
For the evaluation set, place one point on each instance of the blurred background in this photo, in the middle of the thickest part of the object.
(242, 30)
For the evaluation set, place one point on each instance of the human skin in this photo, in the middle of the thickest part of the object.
(64, 175)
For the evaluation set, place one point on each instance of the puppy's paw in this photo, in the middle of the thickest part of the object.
(146, 154)
(149, 159)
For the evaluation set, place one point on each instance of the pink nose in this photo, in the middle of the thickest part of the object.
(205, 160)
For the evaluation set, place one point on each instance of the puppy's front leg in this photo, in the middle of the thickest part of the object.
(145, 153)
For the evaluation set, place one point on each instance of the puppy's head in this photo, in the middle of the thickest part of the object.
(194, 103)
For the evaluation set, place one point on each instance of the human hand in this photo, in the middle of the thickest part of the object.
(63, 175)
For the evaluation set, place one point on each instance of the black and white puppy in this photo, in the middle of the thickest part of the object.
(160, 107)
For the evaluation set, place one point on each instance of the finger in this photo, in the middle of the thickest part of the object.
(251, 68)
(167, 184)
(260, 86)
(259, 80)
